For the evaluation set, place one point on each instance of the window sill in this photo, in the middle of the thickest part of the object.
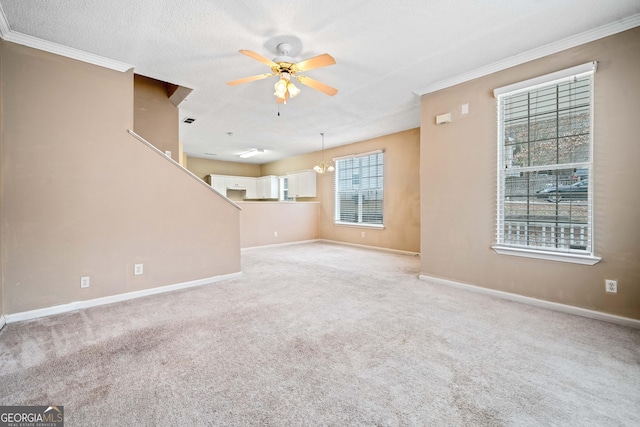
(548, 255)
(357, 225)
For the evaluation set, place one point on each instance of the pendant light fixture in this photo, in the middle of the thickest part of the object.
(323, 167)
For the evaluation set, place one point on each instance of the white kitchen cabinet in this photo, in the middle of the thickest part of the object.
(219, 183)
(249, 186)
(266, 187)
(239, 182)
(302, 183)
(222, 183)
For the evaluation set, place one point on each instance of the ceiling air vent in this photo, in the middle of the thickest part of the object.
(189, 120)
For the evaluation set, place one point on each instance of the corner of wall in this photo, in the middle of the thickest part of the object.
(2, 261)
(155, 115)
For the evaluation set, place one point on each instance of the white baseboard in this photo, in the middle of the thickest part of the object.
(297, 242)
(337, 242)
(78, 305)
(598, 315)
(3, 322)
(377, 248)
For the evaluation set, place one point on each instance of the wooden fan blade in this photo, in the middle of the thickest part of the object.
(249, 79)
(258, 57)
(308, 81)
(316, 62)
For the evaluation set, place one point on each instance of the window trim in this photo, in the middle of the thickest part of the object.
(547, 255)
(547, 79)
(359, 225)
(526, 86)
(351, 156)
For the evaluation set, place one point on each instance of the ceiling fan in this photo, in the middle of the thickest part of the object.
(287, 69)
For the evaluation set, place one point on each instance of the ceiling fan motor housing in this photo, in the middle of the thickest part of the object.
(283, 54)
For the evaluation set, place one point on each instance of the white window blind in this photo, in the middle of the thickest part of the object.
(359, 193)
(545, 180)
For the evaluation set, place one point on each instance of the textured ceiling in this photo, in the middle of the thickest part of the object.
(386, 52)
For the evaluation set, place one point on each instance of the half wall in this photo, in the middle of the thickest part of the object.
(82, 197)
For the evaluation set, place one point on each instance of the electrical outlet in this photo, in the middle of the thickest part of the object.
(137, 269)
(611, 286)
(275, 234)
(363, 234)
(84, 282)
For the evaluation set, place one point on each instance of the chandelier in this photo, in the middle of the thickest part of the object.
(323, 167)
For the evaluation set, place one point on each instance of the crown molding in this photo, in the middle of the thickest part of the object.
(6, 33)
(555, 47)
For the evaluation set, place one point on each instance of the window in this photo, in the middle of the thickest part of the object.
(359, 189)
(545, 179)
(283, 182)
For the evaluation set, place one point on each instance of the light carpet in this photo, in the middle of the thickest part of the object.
(320, 334)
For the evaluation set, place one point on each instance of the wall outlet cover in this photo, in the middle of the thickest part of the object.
(85, 282)
(137, 269)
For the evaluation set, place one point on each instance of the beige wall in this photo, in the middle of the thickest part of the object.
(81, 197)
(401, 191)
(204, 167)
(458, 185)
(155, 118)
(292, 221)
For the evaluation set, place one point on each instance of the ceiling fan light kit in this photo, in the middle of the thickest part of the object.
(285, 68)
(284, 89)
